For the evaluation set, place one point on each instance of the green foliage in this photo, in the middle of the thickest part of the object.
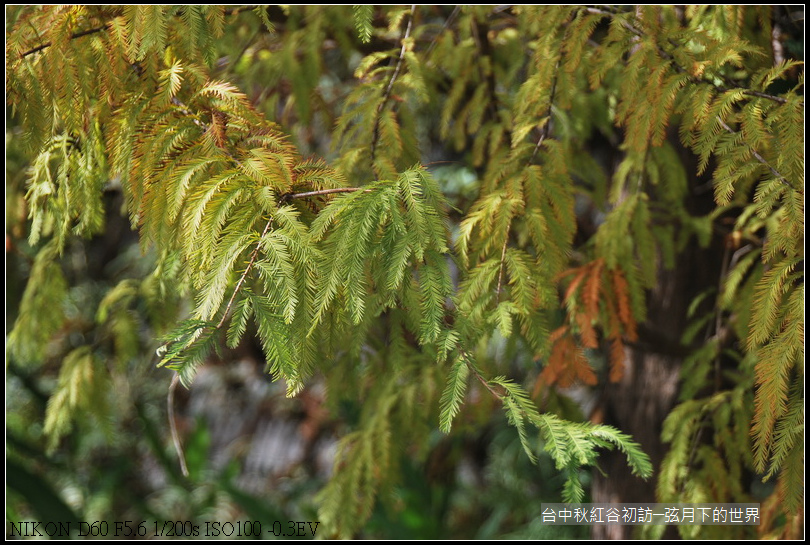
(41, 311)
(571, 446)
(354, 268)
(710, 449)
(453, 395)
(362, 20)
(81, 387)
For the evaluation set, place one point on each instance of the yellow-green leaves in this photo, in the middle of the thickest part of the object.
(41, 311)
(378, 234)
(362, 20)
(81, 390)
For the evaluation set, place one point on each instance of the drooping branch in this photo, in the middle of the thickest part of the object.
(106, 26)
(722, 88)
(503, 257)
(547, 126)
(238, 287)
(255, 254)
(173, 424)
(479, 35)
(185, 110)
(387, 94)
(543, 135)
(447, 24)
(757, 155)
(481, 379)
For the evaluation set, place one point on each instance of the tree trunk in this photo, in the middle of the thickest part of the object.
(648, 391)
(636, 405)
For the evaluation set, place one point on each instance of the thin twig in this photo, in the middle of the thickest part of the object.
(547, 127)
(447, 24)
(106, 26)
(401, 57)
(780, 100)
(204, 126)
(173, 424)
(72, 37)
(324, 192)
(188, 113)
(475, 372)
(500, 270)
(542, 138)
(729, 84)
(387, 94)
(238, 287)
(625, 24)
(757, 155)
(483, 45)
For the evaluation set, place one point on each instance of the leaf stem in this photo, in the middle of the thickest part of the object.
(547, 126)
(238, 287)
(500, 269)
(387, 94)
(324, 192)
(173, 424)
(757, 155)
(72, 37)
(481, 379)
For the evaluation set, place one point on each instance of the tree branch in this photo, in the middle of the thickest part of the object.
(547, 127)
(757, 155)
(729, 85)
(186, 111)
(238, 287)
(387, 94)
(173, 424)
(324, 192)
(447, 24)
(481, 379)
(500, 269)
(72, 37)
(749, 92)
(106, 26)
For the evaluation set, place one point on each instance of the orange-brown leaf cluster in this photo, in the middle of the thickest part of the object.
(596, 296)
(567, 363)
